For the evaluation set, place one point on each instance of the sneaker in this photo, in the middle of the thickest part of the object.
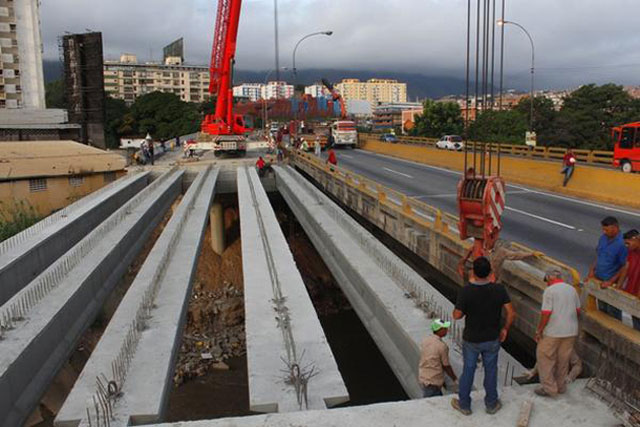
(541, 392)
(456, 405)
(495, 408)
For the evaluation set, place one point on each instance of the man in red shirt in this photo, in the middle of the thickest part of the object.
(630, 277)
(260, 164)
(332, 159)
(568, 164)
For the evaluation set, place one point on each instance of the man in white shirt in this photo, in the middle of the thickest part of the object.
(556, 334)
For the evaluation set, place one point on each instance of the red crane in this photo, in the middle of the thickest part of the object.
(223, 127)
(336, 97)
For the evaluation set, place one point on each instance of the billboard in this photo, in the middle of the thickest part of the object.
(175, 48)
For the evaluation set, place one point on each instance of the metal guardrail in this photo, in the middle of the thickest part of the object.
(548, 153)
(444, 222)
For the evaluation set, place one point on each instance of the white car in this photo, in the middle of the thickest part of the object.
(450, 142)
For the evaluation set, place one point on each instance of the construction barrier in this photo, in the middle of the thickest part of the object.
(433, 236)
(601, 184)
(598, 157)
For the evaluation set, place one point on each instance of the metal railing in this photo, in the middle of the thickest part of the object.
(597, 157)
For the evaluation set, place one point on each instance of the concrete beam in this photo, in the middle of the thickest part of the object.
(27, 254)
(161, 290)
(394, 303)
(62, 302)
(282, 329)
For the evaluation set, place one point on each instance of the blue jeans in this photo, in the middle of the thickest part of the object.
(431, 391)
(470, 352)
(567, 171)
(610, 310)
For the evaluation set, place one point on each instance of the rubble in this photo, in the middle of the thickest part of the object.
(214, 331)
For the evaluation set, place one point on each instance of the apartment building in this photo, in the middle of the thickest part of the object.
(127, 79)
(375, 91)
(316, 90)
(251, 91)
(21, 75)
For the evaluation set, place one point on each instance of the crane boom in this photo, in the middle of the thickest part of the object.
(336, 97)
(223, 121)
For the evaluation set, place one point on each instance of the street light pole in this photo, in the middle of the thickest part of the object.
(264, 99)
(502, 22)
(295, 71)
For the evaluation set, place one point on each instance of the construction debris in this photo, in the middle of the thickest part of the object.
(214, 332)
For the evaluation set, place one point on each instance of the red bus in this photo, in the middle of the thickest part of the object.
(626, 149)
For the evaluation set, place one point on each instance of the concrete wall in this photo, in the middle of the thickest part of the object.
(27, 254)
(170, 268)
(38, 346)
(605, 185)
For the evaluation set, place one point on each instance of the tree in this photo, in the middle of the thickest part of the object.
(437, 119)
(115, 125)
(544, 117)
(588, 114)
(164, 115)
(506, 126)
(54, 94)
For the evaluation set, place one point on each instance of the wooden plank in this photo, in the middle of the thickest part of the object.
(525, 414)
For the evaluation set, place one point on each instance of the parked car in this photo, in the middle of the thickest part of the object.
(388, 137)
(450, 142)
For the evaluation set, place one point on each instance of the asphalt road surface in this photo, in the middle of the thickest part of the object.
(562, 227)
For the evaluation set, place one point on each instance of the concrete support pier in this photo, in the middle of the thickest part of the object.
(393, 302)
(290, 364)
(147, 325)
(51, 313)
(27, 254)
(216, 219)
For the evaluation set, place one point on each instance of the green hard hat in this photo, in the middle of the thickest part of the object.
(437, 324)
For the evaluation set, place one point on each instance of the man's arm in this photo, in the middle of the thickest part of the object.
(544, 319)
(511, 316)
(449, 370)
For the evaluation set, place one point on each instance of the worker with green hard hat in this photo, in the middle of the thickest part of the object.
(434, 360)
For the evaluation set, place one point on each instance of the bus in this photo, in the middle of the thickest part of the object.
(344, 133)
(626, 147)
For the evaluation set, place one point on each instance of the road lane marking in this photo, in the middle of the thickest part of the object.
(524, 189)
(399, 173)
(541, 218)
(435, 195)
(347, 156)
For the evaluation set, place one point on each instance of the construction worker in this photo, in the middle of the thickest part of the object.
(260, 164)
(434, 360)
(304, 146)
(575, 369)
(332, 159)
(317, 148)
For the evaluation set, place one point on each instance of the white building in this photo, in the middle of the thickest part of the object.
(316, 90)
(21, 75)
(280, 90)
(253, 91)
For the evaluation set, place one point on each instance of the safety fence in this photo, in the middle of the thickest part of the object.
(604, 328)
(545, 153)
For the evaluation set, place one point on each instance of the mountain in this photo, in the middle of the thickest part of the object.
(418, 85)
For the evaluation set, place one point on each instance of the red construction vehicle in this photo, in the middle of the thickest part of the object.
(223, 131)
(344, 131)
(336, 97)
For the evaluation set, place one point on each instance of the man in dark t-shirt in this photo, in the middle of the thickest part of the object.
(481, 303)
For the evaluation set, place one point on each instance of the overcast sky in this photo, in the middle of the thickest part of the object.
(577, 41)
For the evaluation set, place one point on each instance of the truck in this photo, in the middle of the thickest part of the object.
(626, 147)
(344, 133)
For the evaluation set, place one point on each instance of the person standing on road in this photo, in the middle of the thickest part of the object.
(568, 165)
(481, 303)
(332, 158)
(330, 139)
(630, 278)
(611, 257)
(151, 151)
(260, 165)
(434, 360)
(556, 334)
(317, 148)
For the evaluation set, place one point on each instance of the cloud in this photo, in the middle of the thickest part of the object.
(576, 40)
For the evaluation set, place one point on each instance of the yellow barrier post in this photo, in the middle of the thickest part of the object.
(406, 207)
(382, 196)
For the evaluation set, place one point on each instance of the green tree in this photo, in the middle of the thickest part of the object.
(54, 94)
(544, 117)
(164, 115)
(506, 126)
(587, 115)
(114, 127)
(437, 119)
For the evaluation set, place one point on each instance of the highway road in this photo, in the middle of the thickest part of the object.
(564, 228)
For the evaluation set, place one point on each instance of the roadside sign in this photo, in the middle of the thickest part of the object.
(531, 139)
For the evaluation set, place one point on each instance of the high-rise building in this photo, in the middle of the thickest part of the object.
(316, 90)
(21, 75)
(127, 79)
(277, 90)
(374, 91)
